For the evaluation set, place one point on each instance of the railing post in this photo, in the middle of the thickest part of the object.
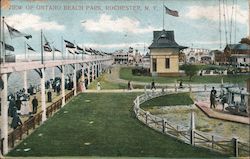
(235, 147)
(147, 113)
(175, 87)
(190, 89)
(212, 141)
(163, 125)
(192, 128)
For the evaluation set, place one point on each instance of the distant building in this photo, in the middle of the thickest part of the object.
(198, 55)
(130, 55)
(137, 57)
(237, 55)
(120, 57)
(146, 61)
(164, 54)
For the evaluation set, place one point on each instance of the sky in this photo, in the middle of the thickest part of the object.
(109, 25)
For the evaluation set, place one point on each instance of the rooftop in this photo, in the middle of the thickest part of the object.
(164, 39)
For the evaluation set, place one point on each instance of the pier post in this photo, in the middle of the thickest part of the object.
(4, 113)
(88, 73)
(74, 79)
(25, 85)
(235, 147)
(43, 100)
(192, 128)
(63, 85)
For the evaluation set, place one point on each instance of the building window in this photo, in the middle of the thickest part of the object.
(167, 63)
(154, 64)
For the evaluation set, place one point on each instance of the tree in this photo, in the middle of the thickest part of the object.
(190, 70)
(245, 41)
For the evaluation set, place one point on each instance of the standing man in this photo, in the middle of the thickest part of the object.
(34, 105)
(212, 98)
(153, 85)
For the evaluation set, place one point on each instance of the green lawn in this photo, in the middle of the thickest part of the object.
(168, 100)
(98, 124)
(126, 73)
(105, 84)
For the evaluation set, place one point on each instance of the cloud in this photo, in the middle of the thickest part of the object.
(30, 21)
(212, 13)
(108, 24)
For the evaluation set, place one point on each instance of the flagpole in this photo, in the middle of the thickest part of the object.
(1, 44)
(42, 46)
(53, 52)
(163, 16)
(4, 51)
(62, 46)
(82, 52)
(25, 50)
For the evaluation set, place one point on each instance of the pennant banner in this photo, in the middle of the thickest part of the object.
(69, 44)
(8, 47)
(56, 50)
(30, 48)
(15, 33)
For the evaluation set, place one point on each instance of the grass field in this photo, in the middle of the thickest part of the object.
(102, 125)
(126, 73)
(105, 84)
(168, 100)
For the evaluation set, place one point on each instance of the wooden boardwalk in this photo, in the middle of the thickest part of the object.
(219, 114)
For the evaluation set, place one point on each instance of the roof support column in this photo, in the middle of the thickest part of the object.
(83, 79)
(4, 113)
(74, 78)
(88, 73)
(63, 84)
(93, 71)
(25, 85)
(43, 100)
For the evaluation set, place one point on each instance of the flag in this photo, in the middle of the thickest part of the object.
(56, 50)
(15, 33)
(79, 48)
(70, 52)
(30, 48)
(171, 12)
(8, 47)
(46, 46)
(69, 44)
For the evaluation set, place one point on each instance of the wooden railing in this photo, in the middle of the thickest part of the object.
(1, 146)
(69, 95)
(35, 121)
(229, 146)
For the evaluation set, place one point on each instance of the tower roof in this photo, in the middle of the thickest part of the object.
(164, 39)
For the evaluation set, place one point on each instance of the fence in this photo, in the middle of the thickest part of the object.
(34, 121)
(232, 147)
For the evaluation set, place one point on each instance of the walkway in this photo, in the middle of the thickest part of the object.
(115, 78)
(218, 114)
